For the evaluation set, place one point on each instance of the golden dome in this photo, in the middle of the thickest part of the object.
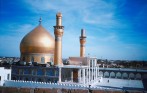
(37, 41)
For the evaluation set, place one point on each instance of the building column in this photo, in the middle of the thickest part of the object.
(96, 73)
(60, 74)
(98, 70)
(89, 74)
(84, 75)
(92, 70)
(79, 75)
(93, 73)
(72, 75)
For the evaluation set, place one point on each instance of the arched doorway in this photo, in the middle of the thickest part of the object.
(112, 75)
(106, 74)
(118, 75)
(131, 76)
(125, 75)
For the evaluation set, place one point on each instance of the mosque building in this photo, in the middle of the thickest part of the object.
(41, 47)
(41, 65)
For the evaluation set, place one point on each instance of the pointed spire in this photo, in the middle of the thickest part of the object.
(40, 20)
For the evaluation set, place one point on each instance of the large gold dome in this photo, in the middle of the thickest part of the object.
(37, 41)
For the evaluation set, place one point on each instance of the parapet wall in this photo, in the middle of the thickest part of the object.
(59, 87)
(58, 90)
(34, 84)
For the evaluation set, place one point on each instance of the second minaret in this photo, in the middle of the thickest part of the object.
(58, 31)
(82, 43)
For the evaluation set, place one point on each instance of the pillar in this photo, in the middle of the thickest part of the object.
(58, 31)
(84, 75)
(60, 74)
(96, 73)
(92, 70)
(98, 70)
(72, 75)
(89, 74)
(79, 75)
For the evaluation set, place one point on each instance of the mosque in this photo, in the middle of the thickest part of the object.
(41, 66)
(41, 47)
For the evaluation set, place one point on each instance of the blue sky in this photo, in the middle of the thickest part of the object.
(116, 29)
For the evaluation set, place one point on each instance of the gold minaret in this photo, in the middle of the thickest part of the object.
(58, 31)
(82, 43)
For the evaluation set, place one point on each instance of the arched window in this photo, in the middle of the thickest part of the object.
(42, 60)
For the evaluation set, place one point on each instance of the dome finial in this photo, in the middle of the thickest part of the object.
(40, 20)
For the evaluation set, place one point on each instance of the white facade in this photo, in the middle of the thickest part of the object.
(5, 74)
(87, 73)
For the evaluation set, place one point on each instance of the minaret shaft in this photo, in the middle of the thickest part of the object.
(82, 51)
(58, 21)
(82, 43)
(58, 31)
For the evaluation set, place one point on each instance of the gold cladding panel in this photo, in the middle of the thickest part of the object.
(37, 41)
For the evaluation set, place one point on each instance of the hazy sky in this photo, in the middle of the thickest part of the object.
(115, 29)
